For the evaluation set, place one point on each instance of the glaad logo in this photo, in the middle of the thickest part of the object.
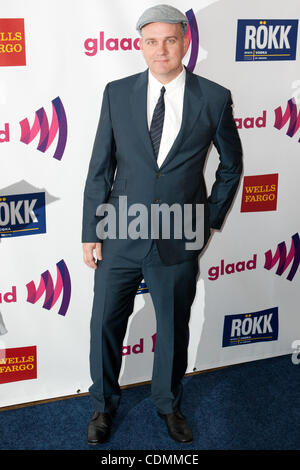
(251, 122)
(63, 283)
(92, 45)
(47, 134)
(266, 40)
(284, 259)
(280, 256)
(215, 271)
(291, 114)
(251, 327)
(22, 214)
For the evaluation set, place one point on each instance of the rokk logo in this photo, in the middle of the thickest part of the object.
(251, 327)
(259, 193)
(93, 45)
(22, 214)
(12, 42)
(142, 289)
(63, 284)
(283, 259)
(266, 40)
(291, 114)
(18, 364)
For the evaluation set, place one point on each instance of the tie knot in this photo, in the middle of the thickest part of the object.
(162, 91)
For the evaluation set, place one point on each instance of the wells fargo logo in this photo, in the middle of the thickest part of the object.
(18, 364)
(12, 42)
(41, 125)
(52, 294)
(260, 193)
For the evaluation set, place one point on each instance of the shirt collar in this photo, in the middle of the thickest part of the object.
(177, 82)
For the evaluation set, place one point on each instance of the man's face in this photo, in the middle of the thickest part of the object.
(163, 46)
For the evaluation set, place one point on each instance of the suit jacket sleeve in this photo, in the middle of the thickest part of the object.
(228, 144)
(100, 173)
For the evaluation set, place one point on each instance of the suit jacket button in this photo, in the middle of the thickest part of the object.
(158, 175)
(156, 200)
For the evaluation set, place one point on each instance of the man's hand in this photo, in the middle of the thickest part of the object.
(88, 253)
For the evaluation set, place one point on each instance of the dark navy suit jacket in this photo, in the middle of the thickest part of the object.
(123, 149)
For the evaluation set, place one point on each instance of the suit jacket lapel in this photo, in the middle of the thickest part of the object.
(192, 105)
(138, 101)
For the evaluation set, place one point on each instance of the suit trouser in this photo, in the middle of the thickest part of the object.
(172, 289)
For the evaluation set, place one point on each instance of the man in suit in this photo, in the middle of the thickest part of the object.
(153, 135)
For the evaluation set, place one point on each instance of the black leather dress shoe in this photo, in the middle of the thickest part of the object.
(99, 428)
(178, 427)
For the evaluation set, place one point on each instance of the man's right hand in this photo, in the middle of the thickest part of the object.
(88, 253)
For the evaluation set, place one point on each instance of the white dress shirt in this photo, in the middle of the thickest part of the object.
(173, 98)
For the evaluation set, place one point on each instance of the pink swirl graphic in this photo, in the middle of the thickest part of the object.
(193, 34)
(291, 113)
(63, 284)
(283, 259)
(47, 134)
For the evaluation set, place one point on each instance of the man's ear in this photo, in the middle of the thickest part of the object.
(186, 43)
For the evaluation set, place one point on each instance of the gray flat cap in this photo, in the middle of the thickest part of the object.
(162, 14)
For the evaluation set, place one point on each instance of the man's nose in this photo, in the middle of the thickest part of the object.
(161, 48)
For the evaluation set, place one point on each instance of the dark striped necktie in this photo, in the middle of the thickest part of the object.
(157, 122)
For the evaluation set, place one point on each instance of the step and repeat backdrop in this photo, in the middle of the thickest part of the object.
(55, 60)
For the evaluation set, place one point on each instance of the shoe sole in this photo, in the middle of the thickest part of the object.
(94, 443)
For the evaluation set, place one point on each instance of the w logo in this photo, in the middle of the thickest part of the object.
(284, 259)
(193, 35)
(63, 283)
(291, 115)
(47, 134)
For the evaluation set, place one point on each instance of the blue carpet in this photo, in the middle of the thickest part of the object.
(250, 406)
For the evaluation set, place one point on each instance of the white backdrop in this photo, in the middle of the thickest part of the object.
(44, 353)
